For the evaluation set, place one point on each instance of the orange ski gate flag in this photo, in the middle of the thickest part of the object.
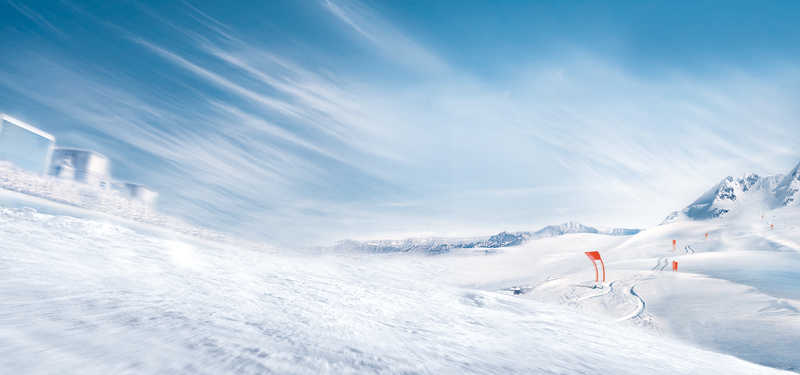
(594, 255)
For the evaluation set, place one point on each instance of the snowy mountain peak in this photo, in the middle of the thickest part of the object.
(748, 181)
(731, 194)
(731, 189)
(569, 227)
(726, 190)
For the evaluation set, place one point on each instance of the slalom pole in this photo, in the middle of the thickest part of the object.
(604, 270)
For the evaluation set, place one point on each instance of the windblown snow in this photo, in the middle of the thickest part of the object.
(80, 296)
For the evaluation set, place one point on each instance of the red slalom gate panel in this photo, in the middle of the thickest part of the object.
(673, 245)
(675, 266)
(594, 255)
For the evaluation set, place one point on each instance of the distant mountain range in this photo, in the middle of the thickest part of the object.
(437, 245)
(765, 192)
(762, 192)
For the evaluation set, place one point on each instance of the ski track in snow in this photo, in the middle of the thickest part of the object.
(659, 263)
(666, 262)
(616, 294)
(639, 309)
(605, 291)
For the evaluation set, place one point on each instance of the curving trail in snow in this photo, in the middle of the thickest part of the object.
(603, 293)
(639, 309)
(659, 263)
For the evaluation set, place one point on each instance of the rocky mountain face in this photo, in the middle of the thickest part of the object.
(731, 195)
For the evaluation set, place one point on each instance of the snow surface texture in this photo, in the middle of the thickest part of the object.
(752, 191)
(78, 296)
(438, 245)
(87, 197)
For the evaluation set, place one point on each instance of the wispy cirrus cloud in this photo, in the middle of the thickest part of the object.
(34, 16)
(391, 42)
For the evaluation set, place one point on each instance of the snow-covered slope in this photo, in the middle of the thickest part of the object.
(438, 245)
(77, 296)
(735, 290)
(751, 191)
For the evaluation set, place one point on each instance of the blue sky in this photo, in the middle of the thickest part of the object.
(306, 122)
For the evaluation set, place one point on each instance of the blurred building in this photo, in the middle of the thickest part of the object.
(84, 166)
(33, 150)
(25, 146)
(136, 191)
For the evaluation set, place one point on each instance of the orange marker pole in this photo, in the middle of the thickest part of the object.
(673, 245)
(675, 266)
(706, 236)
(771, 226)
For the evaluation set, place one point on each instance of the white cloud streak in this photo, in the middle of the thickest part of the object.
(392, 43)
(35, 16)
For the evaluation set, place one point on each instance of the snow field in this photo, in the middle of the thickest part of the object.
(78, 296)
